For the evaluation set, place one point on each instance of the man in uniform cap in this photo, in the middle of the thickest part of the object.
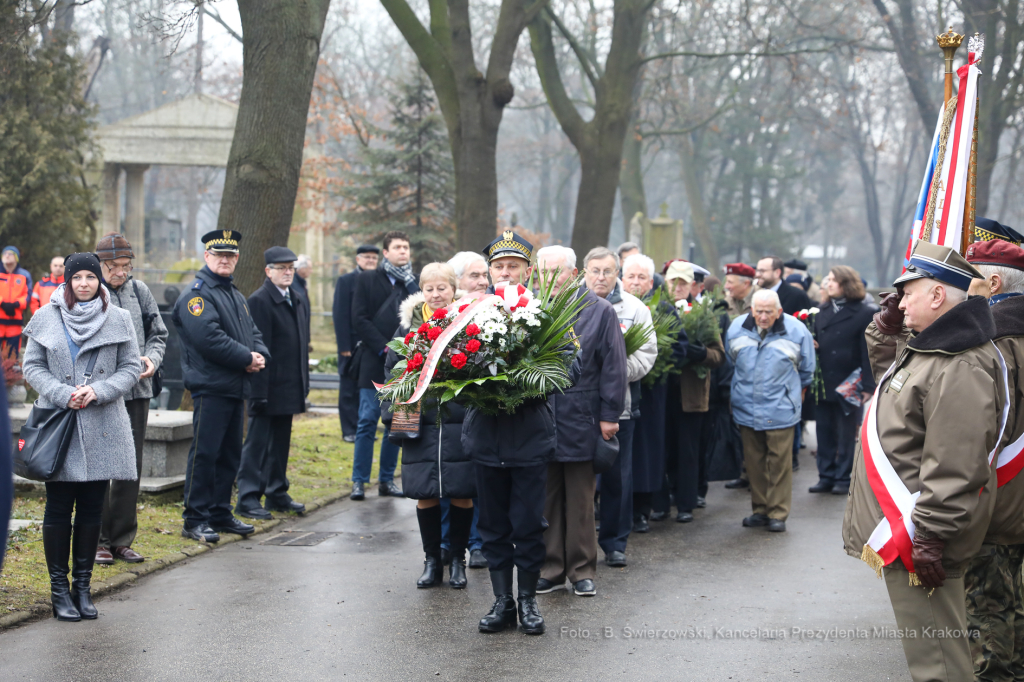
(739, 288)
(221, 348)
(986, 229)
(923, 487)
(280, 310)
(345, 334)
(993, 579)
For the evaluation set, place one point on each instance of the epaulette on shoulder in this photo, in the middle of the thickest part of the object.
(197, 284)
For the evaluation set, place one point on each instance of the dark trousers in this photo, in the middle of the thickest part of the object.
(264, 466)
(10, 346)
(362, 452)
(617, 495)
(85, 498)
(707, 433)
(213, 459)
(120, 506)
(688, 454)
(348, 400)
(837, 439)
(474, 536)
(512, 516)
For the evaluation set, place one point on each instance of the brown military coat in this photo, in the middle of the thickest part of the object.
(1007, 526)
(737, 307)
(938, 419)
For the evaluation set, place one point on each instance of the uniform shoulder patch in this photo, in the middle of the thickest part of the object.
(198, 284)
(195, 306)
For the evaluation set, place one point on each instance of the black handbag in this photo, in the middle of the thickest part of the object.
(606, 454)
(45, 438)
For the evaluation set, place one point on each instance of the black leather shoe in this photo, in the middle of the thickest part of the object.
(701, 502)
(684, 517)
(756, 521)
(349, 439)
(457, 571)
(545, 586)
(640, 524)
(433, 572)
(738, 483)
(584, 588)
(659, 516)
(232, 525)
(503, 612)
(390, 489)
(200, 533)
(290, 506)
(259, 513)
(358, 491)
(615, 558)
(841, 490)
(57, 548)
(820, 487)
(529, 613)
(477, 559)
(776, 526)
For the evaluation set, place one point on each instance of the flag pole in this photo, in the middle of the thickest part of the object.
(949, 42)
(967, 235)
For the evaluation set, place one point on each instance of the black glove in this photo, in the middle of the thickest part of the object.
(889, 320)
(696, 353)
(257, 407)
(927, 558)
(9, 307)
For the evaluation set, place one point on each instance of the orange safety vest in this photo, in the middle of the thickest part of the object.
(42, 291)
(13, 289)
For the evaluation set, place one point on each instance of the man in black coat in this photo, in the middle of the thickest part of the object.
(769, 276)
(345, 333)
(281, 312)
(375, 319)
(221, 348)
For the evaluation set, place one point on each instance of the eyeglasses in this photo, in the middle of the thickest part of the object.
(115, 269)
(606, 274)
(222, 256)
(286, 268)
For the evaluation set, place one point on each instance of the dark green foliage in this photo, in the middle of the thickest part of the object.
(45, 206)
(666, 329)
(407, 182)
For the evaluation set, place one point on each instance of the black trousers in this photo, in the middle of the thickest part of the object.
(348, 399)
(707, 434)
(617, 495)
(213, 459)
(121, 504)
(511, 522)
(263, 470)
(85, 498)
(837, 439)
(688, 454)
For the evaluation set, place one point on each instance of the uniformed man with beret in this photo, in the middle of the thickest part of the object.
(739, 288)
(993, 579)
(923, 487)
(221, 348)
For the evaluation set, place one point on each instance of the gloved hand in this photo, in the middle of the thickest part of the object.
(927, 558)
(257, 407)
(889, 320)
(9, 307)
(696, 353)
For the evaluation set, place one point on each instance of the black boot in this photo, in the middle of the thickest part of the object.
(529, 613)
(430, 533)
(460, 521)
(57, 547)
(503, 612)
(83, 555)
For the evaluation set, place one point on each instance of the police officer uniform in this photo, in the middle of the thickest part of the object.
(218, 337)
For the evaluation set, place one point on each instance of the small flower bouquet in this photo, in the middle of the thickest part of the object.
(700, 321)
(818, 383)
(490, 351)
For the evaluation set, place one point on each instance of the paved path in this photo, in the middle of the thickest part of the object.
(348, 608)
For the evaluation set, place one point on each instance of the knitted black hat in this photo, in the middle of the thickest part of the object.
(77, 262)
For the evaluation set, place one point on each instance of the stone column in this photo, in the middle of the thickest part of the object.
(135, 210)
(111, 198)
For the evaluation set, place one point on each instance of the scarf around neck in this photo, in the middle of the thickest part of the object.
(84, 320)
(401, 274)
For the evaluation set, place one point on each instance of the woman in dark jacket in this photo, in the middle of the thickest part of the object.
(839, 331)
(434, 464)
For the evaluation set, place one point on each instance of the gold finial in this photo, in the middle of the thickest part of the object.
(949, 39)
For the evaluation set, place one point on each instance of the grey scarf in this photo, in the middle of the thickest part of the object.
(84, 320)
(401, 274)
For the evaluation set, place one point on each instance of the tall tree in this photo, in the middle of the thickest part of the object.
(903, 28)
(280, 48)
(472, 102)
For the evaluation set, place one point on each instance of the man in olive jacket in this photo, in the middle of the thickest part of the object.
(936, 415)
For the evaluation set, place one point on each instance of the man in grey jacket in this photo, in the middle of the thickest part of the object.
(120, 518)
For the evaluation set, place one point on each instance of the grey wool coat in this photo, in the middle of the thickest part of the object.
(152, 346)
(102, 448)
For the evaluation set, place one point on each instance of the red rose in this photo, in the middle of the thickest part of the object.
(473, 346)
(458, 361)
(463, 307)
(415, 362)
(423, 328)
(439, 314)
(433, 333)
(472, 329)
(409, 337)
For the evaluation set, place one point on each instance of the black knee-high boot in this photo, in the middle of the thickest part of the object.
(83, 556)
(460, 520)
(57, 548)
(430, 533)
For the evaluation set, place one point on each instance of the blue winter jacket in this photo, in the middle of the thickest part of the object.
(769, 373)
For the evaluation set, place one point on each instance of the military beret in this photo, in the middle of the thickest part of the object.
(996, 252)
(741, 269)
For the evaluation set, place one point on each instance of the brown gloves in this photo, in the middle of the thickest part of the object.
(927, 558)
(889, 320)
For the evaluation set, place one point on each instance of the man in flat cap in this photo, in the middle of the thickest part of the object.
(280, 310)
(221, 348)
(367, 256)
(923, 482)
(993, 578)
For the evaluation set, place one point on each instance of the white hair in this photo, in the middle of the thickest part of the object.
(1013, 279)
(766, 296)
(303, 261)
(463, 259)
(641, 260)
(953, 295)
(564, 253)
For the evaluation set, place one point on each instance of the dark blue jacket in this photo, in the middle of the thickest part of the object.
(375, 319)
(342, 312)
(284, 384)
(218, 337)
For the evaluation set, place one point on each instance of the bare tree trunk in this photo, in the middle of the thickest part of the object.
(905, 42)
(280, 48)
(632, 197)
(695, 200)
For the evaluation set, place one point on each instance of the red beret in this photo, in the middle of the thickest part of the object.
(996, 252)
(741, 269)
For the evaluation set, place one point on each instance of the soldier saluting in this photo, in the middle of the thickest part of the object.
(220, 347)
(922, 489)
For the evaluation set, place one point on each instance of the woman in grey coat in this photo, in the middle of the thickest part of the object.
(63, 336)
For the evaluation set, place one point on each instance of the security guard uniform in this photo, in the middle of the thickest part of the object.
(42, 291)
(218, 337)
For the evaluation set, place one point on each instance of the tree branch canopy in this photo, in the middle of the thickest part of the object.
(543, 47)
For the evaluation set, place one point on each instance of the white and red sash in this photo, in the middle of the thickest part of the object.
(894, 535)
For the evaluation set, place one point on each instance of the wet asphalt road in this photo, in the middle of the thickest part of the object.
(348, 608)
